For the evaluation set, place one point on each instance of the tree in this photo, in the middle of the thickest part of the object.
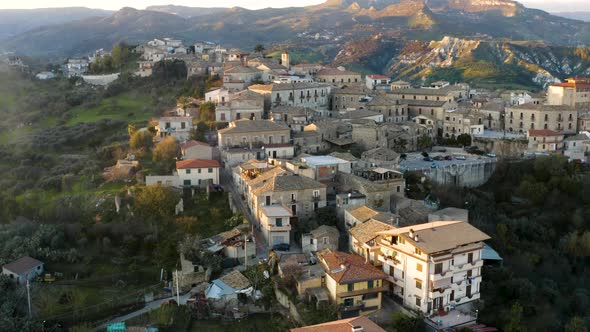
(120, 54)
(141, 140)
(424, 142)
(515, 319)
(464, 139)
(165, 152)
(404, 323)
(259, 48)
(576, 324)
(400, 145)
(155, 202)
(207, 113)
(131, 129)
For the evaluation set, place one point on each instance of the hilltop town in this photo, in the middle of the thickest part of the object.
(336, 199)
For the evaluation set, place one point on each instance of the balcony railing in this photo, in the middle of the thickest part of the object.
(357, 306)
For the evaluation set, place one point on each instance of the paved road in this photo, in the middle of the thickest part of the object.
(148, 307)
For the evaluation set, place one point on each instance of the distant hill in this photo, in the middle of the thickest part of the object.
(16, 21)
(344, 20)
(186, 12)
(582, 16)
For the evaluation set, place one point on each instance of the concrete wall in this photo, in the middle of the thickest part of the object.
(463, 175)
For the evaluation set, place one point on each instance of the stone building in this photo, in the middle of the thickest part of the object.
(574, 92)
(339, 76)
(240, 105)
(561, 118)
(350, 97)
(311, 95)
(394, 110)
(252, 133)
(381, 186)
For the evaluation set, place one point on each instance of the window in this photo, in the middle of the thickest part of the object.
(418, 301)
(325, 240)
(438, 268)
(188, 171)
(199, 170)
(417, 251)
(183, 125)
(370, 284)
(279, 222)
(350, 287)
(418, 284)
(210, 170)
(316, 193)
(452, 296)
(418, 267)
(187, 182)
(470, 257)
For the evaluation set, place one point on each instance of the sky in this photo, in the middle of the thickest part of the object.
(549, 5)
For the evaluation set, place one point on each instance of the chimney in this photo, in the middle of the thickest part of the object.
(357, 329)
(416, 238)
(411, 233)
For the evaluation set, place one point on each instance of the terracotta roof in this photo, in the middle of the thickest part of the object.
(379, 77)
(349, 268)
(197, 163)
(543, 132)
(334, 72)
(363, 213)
(343, 325)
(367, 231)
(440, 236)
(22, 265)
(191, 143)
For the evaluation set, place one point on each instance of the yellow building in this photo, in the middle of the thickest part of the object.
(352, 282)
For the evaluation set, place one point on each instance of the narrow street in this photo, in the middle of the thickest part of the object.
(228, 185)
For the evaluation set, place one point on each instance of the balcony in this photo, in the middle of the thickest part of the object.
(467, 266)
(316, 198)
(284, 228)
(390, 260)
(440, 276)
(358, 306)
(395, 281)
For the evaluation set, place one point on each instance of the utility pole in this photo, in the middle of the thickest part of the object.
(177, 289)
(29, 297)
(245, 251)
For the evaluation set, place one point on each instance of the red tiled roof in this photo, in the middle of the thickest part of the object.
(191, 143)
(343, 325)
(543, 132)
(349, 268)
(197, 163)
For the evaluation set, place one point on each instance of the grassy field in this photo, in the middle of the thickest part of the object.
(126, 107)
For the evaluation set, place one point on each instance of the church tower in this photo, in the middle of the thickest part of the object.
(285, 61)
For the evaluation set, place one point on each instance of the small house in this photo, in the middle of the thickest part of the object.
(23, 269)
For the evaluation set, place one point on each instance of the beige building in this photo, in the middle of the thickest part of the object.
(353, 284)
(350, 97)
(321, 238)
(382, 187)
(338, 76)
(302, 195)
(446, 93)
(275, 224)
(574, 92)
(433, 266)
(365, 240)
(311, 95)
(393, 109)
(196, 150)
(295, 118)
(561, 118)
(239, 77)
(252, 133)
(241, 105)
(545, 141)
(458, 122)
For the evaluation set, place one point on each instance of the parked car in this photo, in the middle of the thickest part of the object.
(427, 159)
(460, 157)
(439, 158)
(491, 155)
(433, 165)
(448, 157)
(281, 247)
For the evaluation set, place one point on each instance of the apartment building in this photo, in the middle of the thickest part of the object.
(353, 284)
(393, 109)
(337, 76)
(433, 266)
(561, 118)
(252, 133)
(545, 141)
(311, 95)
(457, 122)
(179, 127)
(299, 193)
(240, 105)
(198, 172)
(378, 82)
(350, 97)
(275, 224)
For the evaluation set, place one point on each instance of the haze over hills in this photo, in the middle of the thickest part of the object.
(368, 33)
(16, 21)
(582, 16)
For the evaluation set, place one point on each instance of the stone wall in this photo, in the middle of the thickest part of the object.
(503, 148)
(100, 79)
(463, 175)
